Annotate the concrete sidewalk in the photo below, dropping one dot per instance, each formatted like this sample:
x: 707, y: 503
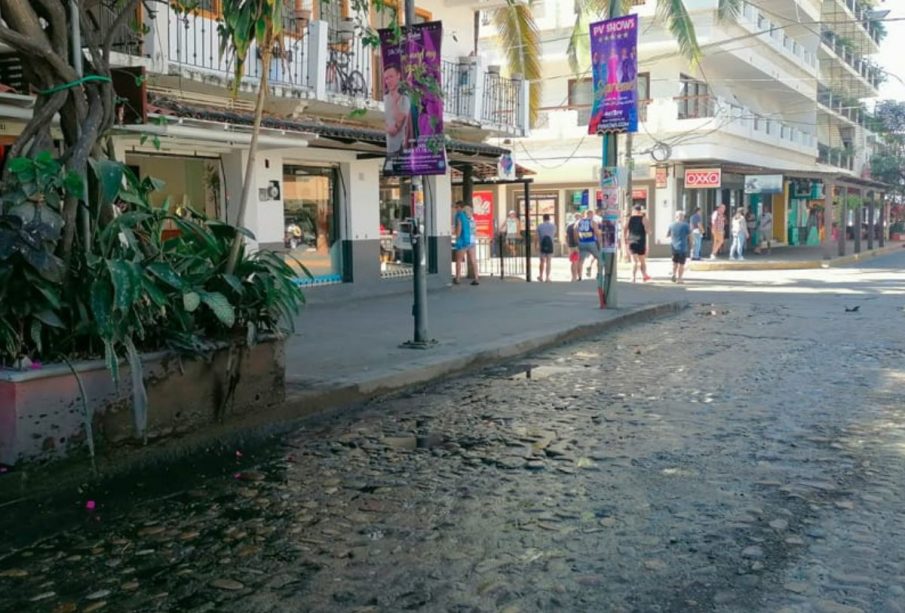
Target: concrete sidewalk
x: 797, y: 258
x: 346, y: 353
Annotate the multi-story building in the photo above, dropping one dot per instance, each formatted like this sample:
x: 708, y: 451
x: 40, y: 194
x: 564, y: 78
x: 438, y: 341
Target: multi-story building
x: 775, y: 94
x: 322, y: 145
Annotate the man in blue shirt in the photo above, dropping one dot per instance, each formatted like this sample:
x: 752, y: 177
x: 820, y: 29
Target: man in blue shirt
x: 680, y: 236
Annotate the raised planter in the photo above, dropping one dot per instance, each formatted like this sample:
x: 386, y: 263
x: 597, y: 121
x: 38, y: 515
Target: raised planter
x: 41, y: 411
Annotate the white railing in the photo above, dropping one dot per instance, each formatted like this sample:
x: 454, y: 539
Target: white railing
x: 752, y: 19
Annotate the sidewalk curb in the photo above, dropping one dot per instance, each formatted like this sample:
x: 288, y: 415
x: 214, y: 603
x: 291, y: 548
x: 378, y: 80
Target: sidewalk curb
x: 719, y: 265
x: 251, y: 430
x: 306, y: 403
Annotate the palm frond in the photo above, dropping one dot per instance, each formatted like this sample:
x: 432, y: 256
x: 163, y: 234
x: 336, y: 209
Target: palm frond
x: 579, y: 49
x: 518, y: 36
x: 677, y: 20
x: 729, y: 9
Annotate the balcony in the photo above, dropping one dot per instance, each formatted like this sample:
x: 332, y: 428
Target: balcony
x: 333, y: 63
x: 834, y: 156
x: 755, y: 21
x: 727, y: 116
x: 858, y: 16
x: 843, y: 107
x: 841, y: 50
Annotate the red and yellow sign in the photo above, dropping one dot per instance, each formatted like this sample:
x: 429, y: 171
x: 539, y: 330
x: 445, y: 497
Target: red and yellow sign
x: 482, y: 205
x: 703, y: 178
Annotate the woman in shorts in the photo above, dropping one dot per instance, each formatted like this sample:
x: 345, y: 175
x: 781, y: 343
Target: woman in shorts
x: 636, y: 231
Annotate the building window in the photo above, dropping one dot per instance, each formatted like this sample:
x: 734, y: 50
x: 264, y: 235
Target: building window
x: 395, y: 233
x: 643, y: 95
x: 310, y: 209
x: 694, y: 101
x: 542, y: 203
x: 581, y: 98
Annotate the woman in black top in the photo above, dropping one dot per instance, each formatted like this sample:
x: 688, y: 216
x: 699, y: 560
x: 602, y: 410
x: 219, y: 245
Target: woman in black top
x: 636, y: 231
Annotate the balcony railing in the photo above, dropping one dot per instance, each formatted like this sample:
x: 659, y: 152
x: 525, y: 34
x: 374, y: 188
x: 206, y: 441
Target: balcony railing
x: 842, y: 105
x: 459, y: 86
x: 861, y: 13
x: 740, y: 119
x: 194, y: 42
x: 869, y: 72
x: 840, y: 158
x: 696, y: 107
x: 502, y: 99
x: 756, y: 21
x: 127, y: 38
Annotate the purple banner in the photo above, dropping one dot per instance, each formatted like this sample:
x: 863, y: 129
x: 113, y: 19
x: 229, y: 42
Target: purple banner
x: 413, y: 105
x: 614, y: 60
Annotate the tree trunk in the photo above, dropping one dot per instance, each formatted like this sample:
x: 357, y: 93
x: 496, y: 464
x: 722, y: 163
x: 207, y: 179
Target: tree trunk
x: 266, y: 56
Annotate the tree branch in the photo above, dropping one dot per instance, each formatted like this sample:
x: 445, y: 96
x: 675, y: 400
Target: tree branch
x: 55, y: 14
x: 127, y: 10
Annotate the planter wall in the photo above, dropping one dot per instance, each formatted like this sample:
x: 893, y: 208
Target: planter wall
x: 41, y: 410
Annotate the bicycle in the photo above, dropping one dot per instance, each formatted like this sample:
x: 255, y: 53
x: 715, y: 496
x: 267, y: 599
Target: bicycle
x: 349, y: 82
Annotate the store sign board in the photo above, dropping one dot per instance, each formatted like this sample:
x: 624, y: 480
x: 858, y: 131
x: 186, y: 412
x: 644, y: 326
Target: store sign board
x: 703, y: 178
x: 482, y: 207
x: 662, y: 176
x: 639, y: 193
x: 763, y: 184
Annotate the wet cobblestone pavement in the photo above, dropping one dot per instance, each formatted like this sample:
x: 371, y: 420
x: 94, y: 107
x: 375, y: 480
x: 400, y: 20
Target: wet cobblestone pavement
x: 738, y: 457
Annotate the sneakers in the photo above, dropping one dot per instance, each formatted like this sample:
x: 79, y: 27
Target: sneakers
x: 475, y: 283
x: 646, y: 278
x: 673, y: 278
x: 712, y: 256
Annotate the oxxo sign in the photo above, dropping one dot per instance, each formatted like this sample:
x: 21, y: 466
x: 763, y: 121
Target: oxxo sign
x: 703, y: 178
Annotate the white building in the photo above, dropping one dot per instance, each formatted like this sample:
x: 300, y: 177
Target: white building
x: 757, y: 104
x: 322, y: 146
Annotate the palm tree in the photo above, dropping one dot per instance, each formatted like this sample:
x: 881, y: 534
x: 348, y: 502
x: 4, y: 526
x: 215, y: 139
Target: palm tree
x: 518, y: 34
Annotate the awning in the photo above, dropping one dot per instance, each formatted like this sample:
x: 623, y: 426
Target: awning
x: 347, y: 136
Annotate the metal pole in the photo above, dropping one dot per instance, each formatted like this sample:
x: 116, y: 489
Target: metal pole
x: 870, y: 221
x: 84, y: 216
x: 610, y: 263
x: 843, y: 219
x: 468, y: 199
x: 527, y: 231
x: 419, y: 263
x: 881, y: 213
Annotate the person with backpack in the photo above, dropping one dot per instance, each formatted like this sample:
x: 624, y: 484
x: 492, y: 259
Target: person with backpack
x: 572, y: 242
x: 546, y: 233
x: 588, y: 230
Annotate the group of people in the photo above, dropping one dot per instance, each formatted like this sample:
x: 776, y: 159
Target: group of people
x: 589, y: 232
x: 742, y: 229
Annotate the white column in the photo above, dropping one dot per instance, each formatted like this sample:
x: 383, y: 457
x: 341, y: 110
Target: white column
x: 317, y: 58
x: 233, y: 174
x: 666, y: 207
x: 264, y: 208
x: 439, y: 188
x: 477, y: 102
x: 157, y: 41
x: 363, y: 179
x: 522, y: 120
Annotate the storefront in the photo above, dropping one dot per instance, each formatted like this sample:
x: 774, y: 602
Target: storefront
x: 311, y: 214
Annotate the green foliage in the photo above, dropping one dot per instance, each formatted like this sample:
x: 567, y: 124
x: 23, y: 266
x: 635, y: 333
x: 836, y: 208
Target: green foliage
x: 134, y: 290
x: 248, y: 23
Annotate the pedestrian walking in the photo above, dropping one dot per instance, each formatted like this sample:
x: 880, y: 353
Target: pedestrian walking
x: 636, y: 231
x: 588, y: 240
x: 546, y: 233
x: 739, y: 235
x: 697, y: 233
x: 681, y: 242
x: 465, y: 244
x: 572, y: 242
x: 718, y: 230
x: 511, y: 228
x: 766, y: 230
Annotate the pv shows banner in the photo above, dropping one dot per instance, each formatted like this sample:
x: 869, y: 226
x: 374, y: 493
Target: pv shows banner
x: 413, y: 106
x: 614, y: 61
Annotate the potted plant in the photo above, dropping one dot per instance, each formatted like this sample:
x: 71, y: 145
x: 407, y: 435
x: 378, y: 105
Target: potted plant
x: 345, y: 29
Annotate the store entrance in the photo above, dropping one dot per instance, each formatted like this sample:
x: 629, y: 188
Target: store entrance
x: 311, y: 215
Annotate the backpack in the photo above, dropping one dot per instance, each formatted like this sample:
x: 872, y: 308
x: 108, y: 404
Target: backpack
x: 546, y: 244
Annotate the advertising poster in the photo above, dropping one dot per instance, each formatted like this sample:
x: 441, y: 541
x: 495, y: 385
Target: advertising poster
x: 413, y: 114
x: 614, y: 62
x: 609, y: 207
x: 763, y: 184
x: 482, y: 206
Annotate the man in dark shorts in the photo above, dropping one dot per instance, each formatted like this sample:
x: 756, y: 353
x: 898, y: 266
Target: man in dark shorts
x: 680, y: 237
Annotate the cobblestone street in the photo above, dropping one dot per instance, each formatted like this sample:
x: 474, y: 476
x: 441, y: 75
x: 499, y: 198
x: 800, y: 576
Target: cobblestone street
x: 747, y: 454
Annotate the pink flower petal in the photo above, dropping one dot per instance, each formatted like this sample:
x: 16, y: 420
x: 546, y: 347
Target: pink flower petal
x: 90, y: 505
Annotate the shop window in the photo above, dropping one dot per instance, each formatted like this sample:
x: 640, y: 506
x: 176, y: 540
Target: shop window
x: 581, y: 97
x: 310, y: 207
x: 541, y: 204
x: 395, y: 241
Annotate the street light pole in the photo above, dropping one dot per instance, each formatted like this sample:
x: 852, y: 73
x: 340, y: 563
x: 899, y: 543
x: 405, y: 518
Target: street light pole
x: 419, y: 260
